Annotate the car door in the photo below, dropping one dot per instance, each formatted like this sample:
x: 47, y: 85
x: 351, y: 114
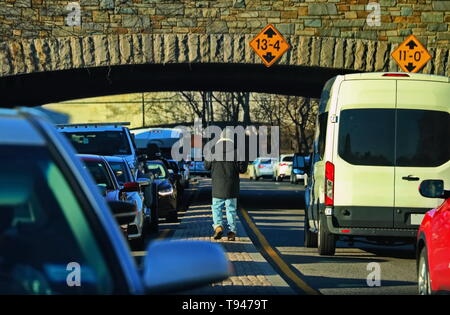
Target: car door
x: 422, y: 146
x: 363, y: 154
x: 440, y: 256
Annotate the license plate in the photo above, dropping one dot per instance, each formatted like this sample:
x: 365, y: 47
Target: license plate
x: 416, y: 218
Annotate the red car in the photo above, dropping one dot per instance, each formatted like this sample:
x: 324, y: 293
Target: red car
x: 433, y: 242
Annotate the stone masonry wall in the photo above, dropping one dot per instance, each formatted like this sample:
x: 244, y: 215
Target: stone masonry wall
x: 427, y: 19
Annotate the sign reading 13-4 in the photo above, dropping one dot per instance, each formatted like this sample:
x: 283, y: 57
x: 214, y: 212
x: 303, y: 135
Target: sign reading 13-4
x: 269, y: 45
x: 411, y: 55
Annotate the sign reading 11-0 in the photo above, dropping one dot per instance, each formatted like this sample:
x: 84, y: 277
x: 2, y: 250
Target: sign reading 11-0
x: 411, y: 55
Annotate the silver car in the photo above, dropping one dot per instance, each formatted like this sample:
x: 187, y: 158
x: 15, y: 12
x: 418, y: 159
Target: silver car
x: 58, y: 235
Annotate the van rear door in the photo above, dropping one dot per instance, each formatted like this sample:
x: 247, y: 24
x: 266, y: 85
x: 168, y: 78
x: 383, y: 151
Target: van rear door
x: 422, y: 146
x: 363, y: 154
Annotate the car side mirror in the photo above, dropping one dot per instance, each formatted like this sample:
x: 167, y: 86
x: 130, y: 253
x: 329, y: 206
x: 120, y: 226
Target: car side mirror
x: 172, y: 266
x: 124, y: 212
x: 431, y: 188
x: 131, y: 187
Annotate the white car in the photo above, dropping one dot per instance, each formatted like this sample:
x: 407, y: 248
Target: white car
x: 107, y: 139
x: 282, y: 167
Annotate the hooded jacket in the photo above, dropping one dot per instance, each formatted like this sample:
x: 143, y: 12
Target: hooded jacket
x: 225, y: 174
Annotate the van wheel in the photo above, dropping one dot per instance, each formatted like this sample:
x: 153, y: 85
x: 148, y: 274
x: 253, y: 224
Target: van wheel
x: 423, y: 276
x: 326, y: 242
x: 310, y: 238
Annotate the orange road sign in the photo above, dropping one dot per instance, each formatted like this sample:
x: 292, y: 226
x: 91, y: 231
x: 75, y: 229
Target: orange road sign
x: 269, y: 45
x: 411, y: 55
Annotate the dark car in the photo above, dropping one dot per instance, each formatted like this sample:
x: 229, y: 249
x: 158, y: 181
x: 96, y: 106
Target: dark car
x: 166, y: 188
x: 103, y: 175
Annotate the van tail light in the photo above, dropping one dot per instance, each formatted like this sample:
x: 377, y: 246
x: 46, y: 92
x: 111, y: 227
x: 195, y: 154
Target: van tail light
x: 395, y: 75
x: 329, y: 184
x: 261, y: 166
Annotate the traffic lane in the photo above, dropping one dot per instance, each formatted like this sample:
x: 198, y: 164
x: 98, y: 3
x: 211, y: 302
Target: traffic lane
x: 274, y: 207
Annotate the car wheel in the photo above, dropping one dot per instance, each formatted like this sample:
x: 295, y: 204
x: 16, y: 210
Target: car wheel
x: 138, y: 243
x: 153, y: 223
x: 423, y: 276
x: 256, y: 178
x: 310, y: 238
x: 172, y: 217
x: 326, y: 242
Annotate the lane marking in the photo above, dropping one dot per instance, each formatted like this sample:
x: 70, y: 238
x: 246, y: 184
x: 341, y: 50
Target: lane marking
x: 287, y: 271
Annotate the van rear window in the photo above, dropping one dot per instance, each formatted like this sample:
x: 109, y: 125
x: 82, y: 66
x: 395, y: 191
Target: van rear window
x: 423, y: 138
x: 366, y: 136
x: 370, y: 137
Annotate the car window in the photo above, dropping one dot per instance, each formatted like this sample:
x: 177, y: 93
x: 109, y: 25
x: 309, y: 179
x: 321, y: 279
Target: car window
x: 43, y: 231
x: 266, y: 161
x: 288, y: 158
x: 367, y: 136
x: 422, y: 138
x: 322, y: 134
x: 99, y: 173
x: 121, y: 172
x: 158, y: 170
x: 100, y: 143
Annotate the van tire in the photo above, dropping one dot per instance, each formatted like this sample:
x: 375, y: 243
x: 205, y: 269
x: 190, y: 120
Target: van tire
x: 309, y: 238
x: 326, y: 241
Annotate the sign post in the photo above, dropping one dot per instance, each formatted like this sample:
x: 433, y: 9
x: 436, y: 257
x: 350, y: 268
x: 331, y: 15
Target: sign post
x: 269, y: 45
x: 411, y: 55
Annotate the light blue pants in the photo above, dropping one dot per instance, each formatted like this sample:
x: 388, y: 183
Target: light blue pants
x: 230, y: 205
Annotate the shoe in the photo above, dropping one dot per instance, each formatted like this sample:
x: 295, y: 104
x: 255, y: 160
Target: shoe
x: 218, y: 233
x: 231, y: 236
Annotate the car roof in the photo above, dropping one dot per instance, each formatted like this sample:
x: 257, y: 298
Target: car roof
x: 114, y: 159
x: 396, y: 76
x: 91, y: 157
x: 92, y: 127
x: 17, y: 129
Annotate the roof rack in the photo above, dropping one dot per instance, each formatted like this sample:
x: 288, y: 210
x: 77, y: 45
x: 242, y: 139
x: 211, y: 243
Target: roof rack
x: 115, y: 124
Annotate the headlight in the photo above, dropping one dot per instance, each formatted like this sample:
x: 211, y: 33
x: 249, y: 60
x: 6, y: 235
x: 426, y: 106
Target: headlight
x: 165, y: 191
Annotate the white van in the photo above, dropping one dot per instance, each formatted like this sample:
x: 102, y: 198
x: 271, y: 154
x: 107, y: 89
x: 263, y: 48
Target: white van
x: 377, y: 136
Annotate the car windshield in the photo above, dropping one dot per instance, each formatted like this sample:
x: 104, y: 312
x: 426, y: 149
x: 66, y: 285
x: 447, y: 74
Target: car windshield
x: 99, y: 173
x: 266, y: 162
x: 157, y: 169
x: 288, y: 159
x: 46, y: 243
x: 121, y: 172
x: 100, y: 143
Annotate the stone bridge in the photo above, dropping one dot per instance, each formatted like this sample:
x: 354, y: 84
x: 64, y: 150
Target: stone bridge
x: 326, y: 37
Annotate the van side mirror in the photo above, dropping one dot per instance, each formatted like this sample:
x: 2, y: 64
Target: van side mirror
x: 431, y: 188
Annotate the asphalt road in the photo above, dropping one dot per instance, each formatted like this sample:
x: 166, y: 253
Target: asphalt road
x: 277, y: 209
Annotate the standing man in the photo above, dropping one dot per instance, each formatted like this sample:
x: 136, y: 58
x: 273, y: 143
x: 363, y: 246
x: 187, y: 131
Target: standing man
x: 225, y: 183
